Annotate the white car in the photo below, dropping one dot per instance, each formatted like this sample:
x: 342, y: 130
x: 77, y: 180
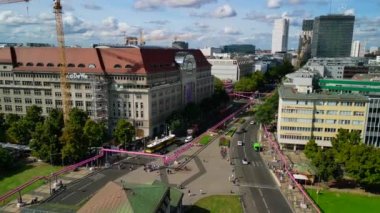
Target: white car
x: 252, y: 122
x: 240, y: 143
x: 188, y: 139
x: 244, y: 161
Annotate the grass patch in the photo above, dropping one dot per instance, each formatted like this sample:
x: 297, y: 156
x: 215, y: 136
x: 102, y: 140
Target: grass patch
x: 218, y: 204
x: 330, y: 201
x: 241, y: 120
x: 11, y: 179
x: 231, y: 132
x: 205, y: 139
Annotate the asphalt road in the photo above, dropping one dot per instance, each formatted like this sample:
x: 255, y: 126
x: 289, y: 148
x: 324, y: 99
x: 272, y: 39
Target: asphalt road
x: 259, y: 189
x: 75, y: 193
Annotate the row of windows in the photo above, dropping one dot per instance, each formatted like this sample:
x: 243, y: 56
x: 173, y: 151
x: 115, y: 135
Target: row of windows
x: 307, y: 129
x: 326, y: 103
x: 327, y: 121
x: 305, y: 138
x: 40, y: 64
x: 137, y: 115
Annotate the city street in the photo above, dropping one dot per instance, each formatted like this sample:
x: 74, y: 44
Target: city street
x: 260, y: 191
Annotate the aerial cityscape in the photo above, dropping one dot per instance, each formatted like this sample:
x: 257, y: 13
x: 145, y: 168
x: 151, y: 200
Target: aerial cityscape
x: 189, y: 106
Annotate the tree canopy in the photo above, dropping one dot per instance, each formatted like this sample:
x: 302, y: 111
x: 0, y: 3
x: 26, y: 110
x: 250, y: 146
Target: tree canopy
x: 124, y: 132
x: 348, y: 156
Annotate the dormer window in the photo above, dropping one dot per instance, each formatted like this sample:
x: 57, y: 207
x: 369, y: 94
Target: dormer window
x: 50, y: 65
x: 40, y: 64
x: 129, y: 66
x: 19, y: 64
x: 71, y: 65
x: 81, y: 66
x: 91, y: 66
x: 29, y: 64
x: 117, y: 66
x: 60, y: 65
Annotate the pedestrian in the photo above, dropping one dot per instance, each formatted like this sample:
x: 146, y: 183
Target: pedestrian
x: 188, y: 192
x: 201, y: 192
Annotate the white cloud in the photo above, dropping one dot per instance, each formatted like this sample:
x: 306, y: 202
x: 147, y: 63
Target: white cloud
x: 274, y: 3
x: 154, y: 4
x: 295, y: 1
x: 157, y: 35
x: 8, y: 17
x: 224, y: 11
x: 349, y: 12
x: 231, y: 31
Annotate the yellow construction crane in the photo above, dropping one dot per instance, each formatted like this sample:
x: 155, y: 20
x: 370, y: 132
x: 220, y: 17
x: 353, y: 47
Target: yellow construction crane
x: 65, y: 87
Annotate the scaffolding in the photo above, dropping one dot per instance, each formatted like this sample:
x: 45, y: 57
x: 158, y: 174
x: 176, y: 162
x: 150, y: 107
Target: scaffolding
x: 100, y: 98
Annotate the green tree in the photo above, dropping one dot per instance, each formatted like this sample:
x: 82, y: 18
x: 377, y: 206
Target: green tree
x: 96, y: 133
x: 3, y: 128
x: 45, y: 142
x: 74, y: 143
x: 245, y: 84
x: 10, y: 119
x: 327, y: 168
x: 6, y: 159
x: 19, y: 132
x: 311, y: 149
x: 34, y: 116
x: 265, y: 113
x: 124, y: 132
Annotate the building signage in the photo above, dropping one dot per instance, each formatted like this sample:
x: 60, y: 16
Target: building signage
x: 77, y: 76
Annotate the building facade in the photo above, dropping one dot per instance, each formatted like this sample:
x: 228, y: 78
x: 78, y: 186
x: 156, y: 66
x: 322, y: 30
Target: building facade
x: 302, y: 117
x: 369, y: 86
x: 357, y: 49
x: 231, y: 69
x: 180, y: 45
x: 304, y: 45
x: 142, y: 85
x: 280, y: 35
x: 332, y: 36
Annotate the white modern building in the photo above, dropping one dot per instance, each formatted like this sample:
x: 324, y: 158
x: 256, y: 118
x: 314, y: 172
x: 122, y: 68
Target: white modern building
x: 280, y: 35
x: 210, y: 51
x: 231, y: 69
x: 357, y: 49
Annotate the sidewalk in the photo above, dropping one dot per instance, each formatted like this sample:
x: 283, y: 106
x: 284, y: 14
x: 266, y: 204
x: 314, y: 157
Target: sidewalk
x: 204, y: 175
x: 292, y: 194
x: 43, y: 192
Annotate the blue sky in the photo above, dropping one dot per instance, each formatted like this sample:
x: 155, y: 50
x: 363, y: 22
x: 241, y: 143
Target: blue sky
x: 199, y: 22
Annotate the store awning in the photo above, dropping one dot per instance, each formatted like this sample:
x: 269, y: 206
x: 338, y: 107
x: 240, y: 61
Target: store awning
x: 300, y: 177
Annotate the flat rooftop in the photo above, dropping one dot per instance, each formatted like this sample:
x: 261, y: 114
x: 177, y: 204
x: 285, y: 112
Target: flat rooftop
x: 290, y: 93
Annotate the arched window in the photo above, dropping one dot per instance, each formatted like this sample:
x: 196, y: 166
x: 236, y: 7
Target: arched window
x: 129, y: 66
x: 40, y: 64
x: 81, y: 66
x: 20, y: 64
x: 71, y: 65
x: 118, y: 66
x: 91, y: 66
x: 60, y: 65
x: 29, y: 64
x: 50, y: 65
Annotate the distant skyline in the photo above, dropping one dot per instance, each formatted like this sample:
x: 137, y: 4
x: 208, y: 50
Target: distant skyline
x: 199, y: 22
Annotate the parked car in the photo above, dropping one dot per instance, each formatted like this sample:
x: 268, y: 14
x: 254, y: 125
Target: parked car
x: 252, y: 122
x: 240, y: 143
x: 244, y: 161
x: 188, y: 139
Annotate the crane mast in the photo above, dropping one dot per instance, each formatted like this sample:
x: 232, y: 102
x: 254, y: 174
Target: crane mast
x: 65, y: 86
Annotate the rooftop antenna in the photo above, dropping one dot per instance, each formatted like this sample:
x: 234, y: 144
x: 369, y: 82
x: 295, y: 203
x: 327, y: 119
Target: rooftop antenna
x: 331, y: 1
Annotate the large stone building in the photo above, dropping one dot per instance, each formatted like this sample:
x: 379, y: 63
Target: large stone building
x: 332, y: 36
x: 143, y: 85
x: 232, y: 69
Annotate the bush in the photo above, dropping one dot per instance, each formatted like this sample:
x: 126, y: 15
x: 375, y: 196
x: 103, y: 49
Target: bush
x: 224, y: 142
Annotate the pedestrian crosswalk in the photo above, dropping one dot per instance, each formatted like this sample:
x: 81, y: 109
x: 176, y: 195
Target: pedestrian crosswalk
x: 256, y: 164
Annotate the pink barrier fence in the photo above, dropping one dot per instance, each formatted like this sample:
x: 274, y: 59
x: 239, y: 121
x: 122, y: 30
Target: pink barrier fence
x: 286, y: 167
x: 133, y: 153
x: 55, y: 174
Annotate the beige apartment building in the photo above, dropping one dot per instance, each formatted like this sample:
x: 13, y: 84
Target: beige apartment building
x: 142, y: 85
x: 302, y: 116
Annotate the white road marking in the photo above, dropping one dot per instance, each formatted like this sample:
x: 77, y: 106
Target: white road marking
x: 265, y: 203
x: 71, y: 193
x: 85, y: 185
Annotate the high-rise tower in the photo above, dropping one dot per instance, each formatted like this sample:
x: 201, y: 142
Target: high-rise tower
x: 332, y: 36
x: 280, y: 35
